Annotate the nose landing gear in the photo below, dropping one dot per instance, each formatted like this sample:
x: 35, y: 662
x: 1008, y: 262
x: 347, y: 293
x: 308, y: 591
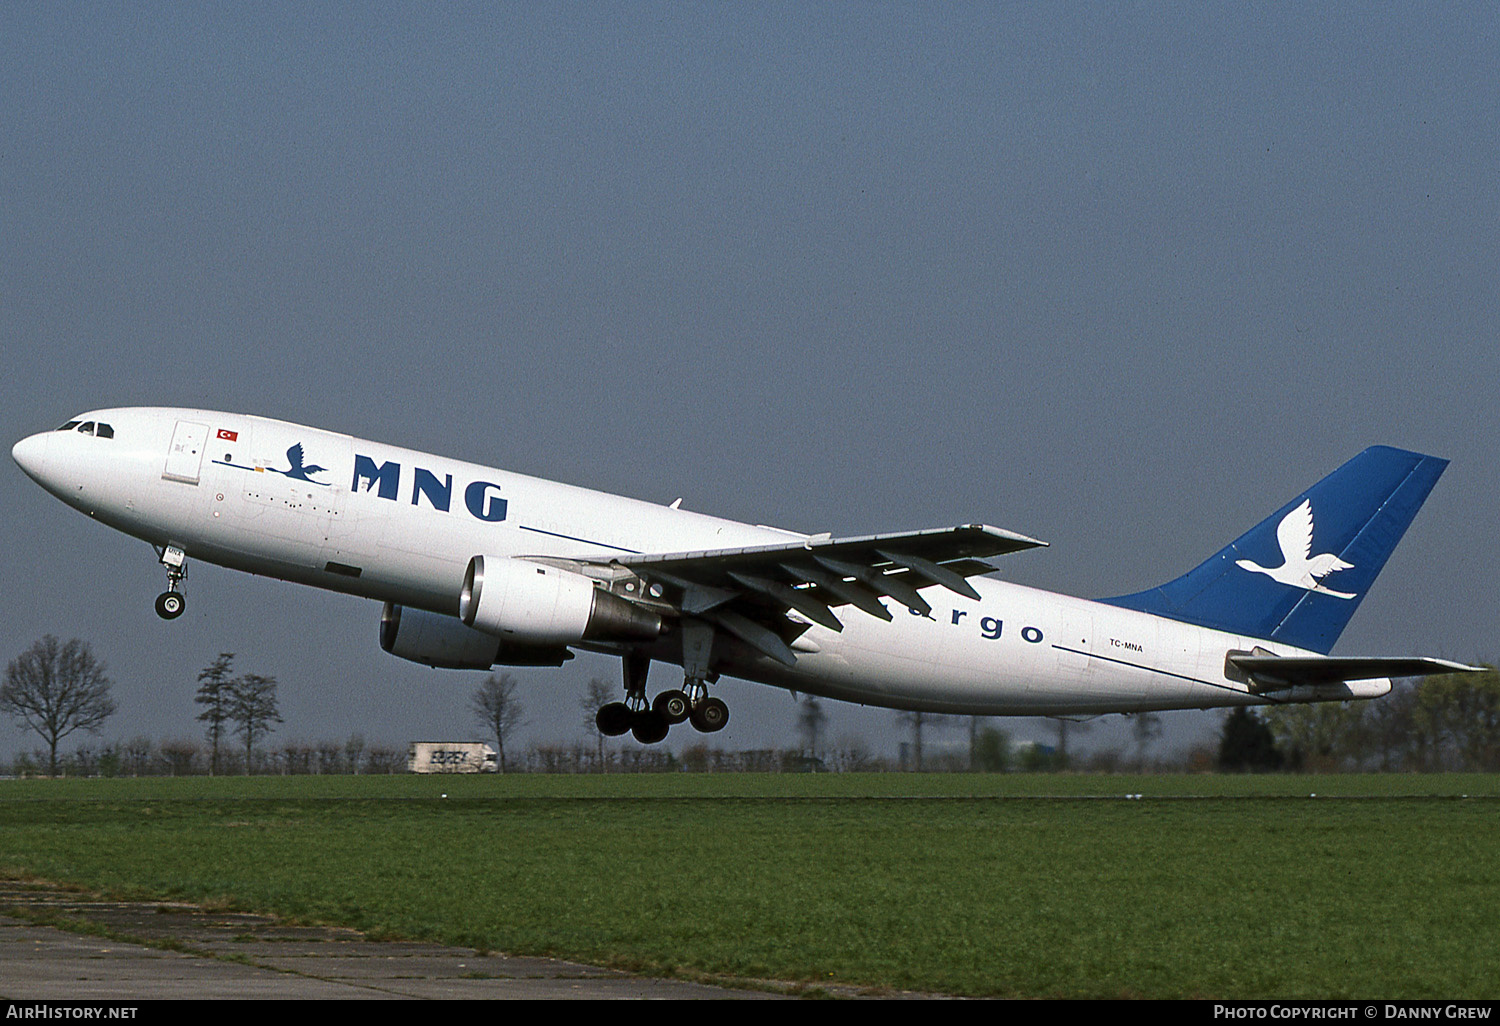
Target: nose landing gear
x: 171, y: 603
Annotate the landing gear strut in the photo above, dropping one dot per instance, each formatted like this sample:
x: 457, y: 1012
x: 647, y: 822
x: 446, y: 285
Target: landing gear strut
x: 635, y: 713
x: 171, y: 603
x: 707, y: 714
x: 649, y: 722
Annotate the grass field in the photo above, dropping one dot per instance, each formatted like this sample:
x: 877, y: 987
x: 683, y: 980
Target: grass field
x: 1205, y: 886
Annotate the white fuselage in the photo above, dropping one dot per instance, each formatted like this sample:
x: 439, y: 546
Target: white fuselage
x: 398, y: 525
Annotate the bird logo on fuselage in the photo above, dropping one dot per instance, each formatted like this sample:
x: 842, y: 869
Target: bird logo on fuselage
x: 297, y: 467
x: 1299, y: 567
x: 298, y: 471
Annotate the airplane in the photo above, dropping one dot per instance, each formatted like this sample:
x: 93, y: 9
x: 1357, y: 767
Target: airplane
x: 479, y: 567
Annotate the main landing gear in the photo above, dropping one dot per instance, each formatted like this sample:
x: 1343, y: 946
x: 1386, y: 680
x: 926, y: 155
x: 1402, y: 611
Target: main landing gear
x: 649, y: 722
x: 171, y: 603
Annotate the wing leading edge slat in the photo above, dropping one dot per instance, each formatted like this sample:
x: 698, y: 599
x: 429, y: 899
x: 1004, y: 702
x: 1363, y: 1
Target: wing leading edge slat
x: 932, y: 546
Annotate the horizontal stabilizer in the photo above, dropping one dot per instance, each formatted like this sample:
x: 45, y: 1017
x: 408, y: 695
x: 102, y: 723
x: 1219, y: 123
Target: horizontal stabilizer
x: 1272, y: 671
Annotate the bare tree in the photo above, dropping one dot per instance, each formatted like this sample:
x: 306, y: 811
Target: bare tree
x: 214, y: 685
x: 598, y: 695
x: 383, y: 759
x: 85, y: 760
x: 811, y: 719
x: 179, y: 754
x: 917, y: 721
x: 252, y: 708
x: 296, y: 758
x: 353, y: 749
x: 989, y: 751
x: 55, y: 689
x: 1145, y: 728
x: 136, y: 755
x: 1063, y: 726
x: 495, y: 706
x: 976, y: 726
x: 852, y: 754
x: 330, y: 757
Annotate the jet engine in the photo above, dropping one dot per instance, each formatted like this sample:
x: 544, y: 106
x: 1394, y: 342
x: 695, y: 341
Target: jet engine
x: 442, y: 641
x: 527, y: 603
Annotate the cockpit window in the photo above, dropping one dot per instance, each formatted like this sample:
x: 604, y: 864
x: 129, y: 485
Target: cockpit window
x: 89, y: 427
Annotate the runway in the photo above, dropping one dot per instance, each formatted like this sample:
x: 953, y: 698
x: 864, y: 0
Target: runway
x: 183, y: 952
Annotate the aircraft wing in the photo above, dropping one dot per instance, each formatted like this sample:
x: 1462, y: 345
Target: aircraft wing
x: 1288, y: 671
x: 749, y: 591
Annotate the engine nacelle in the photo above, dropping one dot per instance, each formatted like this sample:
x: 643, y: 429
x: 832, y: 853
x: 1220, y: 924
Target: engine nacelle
x: 530, y: 604
x: 442, y: 641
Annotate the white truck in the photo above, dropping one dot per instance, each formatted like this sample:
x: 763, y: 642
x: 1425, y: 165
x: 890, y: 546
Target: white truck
x: 450, y: 757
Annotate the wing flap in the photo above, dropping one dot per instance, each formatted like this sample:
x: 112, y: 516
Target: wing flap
x: 836, y: 591
x: 802, y: 601
x: 813, y: 575
x: 752, y: 593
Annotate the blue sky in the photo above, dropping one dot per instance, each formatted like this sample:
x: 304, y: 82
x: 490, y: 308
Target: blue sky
x: 1121, y: 277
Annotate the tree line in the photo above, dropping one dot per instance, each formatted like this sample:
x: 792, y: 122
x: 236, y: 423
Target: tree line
x: 183, y: 757
x: 54, y: 689
x: 244, y: 706
x: 1447, y: 722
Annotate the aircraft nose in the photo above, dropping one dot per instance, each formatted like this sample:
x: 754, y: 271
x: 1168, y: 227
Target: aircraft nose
x: 30, y: 454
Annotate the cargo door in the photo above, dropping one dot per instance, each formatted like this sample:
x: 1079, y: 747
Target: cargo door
x: 185, y: 454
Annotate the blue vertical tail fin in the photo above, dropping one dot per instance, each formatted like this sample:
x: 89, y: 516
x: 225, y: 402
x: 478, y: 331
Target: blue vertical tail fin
x: 1299, y: 575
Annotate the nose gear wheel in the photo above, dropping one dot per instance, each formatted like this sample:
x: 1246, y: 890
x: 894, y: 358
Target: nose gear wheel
x: 171, y: 603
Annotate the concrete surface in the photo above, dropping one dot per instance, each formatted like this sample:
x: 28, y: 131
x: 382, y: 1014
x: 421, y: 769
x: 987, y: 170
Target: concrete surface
x: 184, y: 951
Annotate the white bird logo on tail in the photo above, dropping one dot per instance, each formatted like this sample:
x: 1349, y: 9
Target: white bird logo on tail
x: 1299, y: 567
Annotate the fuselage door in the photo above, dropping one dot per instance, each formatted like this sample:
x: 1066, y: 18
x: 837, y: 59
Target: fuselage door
x: 185, y: 455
